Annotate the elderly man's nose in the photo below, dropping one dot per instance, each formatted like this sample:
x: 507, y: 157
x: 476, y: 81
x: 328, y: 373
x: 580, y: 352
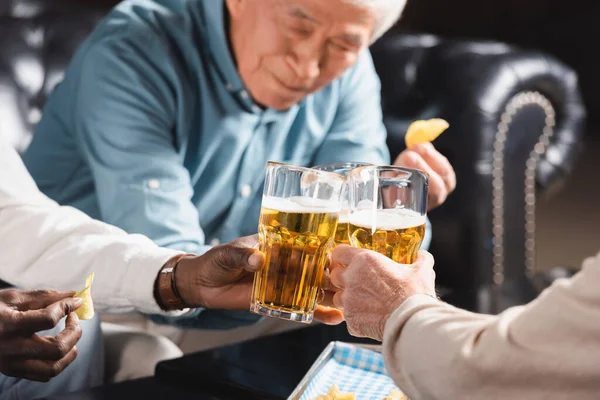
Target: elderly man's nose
x: 305, y: 64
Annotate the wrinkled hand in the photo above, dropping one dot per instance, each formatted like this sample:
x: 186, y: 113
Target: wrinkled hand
x: 23, y: 354
x: 371, y: 286
x: 442, y: 179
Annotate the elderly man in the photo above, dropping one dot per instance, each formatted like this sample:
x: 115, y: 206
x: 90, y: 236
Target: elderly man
x: 170, y: 110
x: 547, y: 349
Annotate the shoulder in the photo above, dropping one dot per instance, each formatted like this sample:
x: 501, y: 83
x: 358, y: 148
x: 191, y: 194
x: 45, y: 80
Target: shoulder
x: 157, y: 29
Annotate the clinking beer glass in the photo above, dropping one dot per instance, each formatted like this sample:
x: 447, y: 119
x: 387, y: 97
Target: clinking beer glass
x: 298, y: 220
x: 388, y: 207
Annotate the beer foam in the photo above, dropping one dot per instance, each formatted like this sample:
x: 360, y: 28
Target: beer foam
x: 300, y: 204
x: 387, y: 219
x: 343, y: 216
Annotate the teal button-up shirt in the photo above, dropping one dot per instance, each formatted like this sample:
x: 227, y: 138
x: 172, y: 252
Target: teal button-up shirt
x: 152, y: 129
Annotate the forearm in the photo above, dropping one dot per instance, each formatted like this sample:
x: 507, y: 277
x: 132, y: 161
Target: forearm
x: 47, y: 246
x: 548, y: 348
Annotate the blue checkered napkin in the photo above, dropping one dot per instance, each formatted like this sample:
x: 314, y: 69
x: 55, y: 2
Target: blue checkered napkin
x: 352, y: 369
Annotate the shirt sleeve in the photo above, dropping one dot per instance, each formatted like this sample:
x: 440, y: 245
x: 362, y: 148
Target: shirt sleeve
x: 357, y: 133
x: 124, y: 122
x: 548, y: 348
x: 43, y: 245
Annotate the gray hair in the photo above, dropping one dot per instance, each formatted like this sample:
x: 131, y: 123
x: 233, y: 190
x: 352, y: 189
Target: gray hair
x: 387, y: 13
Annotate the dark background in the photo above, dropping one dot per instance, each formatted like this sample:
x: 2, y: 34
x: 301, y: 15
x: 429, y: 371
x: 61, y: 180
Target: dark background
x: 567, y: 29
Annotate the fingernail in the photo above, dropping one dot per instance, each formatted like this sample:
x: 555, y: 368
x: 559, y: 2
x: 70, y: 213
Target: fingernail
x: 78, y: 301
x: 75, y: 317
x: 256, y: 260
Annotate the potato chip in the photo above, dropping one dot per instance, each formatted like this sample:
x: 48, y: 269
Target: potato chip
x: 335, y: 394
x: 424, y: 131
x: 395, y: 394
x: 86, y: 311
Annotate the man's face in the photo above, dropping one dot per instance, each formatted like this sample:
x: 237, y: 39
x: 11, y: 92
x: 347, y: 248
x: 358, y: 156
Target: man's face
x: 287, y: 49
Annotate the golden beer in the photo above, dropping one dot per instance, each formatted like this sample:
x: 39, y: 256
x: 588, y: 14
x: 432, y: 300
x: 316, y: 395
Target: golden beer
x: 341, y: 233
x: 342, y: 168
x: 295, y: 239
x: 397, y: 234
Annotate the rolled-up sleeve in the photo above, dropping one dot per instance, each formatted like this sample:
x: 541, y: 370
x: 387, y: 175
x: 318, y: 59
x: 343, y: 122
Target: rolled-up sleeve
x: 124, y: 123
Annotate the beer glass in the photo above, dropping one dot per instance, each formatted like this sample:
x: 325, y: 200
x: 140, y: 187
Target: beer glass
x: 388, y: 207
x: 341, y: 233
x: 298, y: 219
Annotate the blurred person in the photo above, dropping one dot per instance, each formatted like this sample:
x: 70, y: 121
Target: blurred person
x: 44, y: 245
x: 170, y: 110
x: 547, y: 349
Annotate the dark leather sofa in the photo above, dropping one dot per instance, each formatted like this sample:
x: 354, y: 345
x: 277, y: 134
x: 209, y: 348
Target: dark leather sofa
x: 516, y: 121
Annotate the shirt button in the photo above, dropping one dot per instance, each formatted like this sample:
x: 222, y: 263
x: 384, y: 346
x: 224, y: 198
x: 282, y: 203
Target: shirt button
x: 153, y: 184
x: 34, y: 116
x: 229, y: 87
x: 215, y: 242
x: 244, y: 94
x: 245, y: 190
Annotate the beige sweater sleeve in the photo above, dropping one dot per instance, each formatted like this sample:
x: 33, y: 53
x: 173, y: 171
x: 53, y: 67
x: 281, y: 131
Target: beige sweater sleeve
x: 547, y: 349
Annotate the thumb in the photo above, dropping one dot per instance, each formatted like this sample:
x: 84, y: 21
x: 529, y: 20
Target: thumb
x: 232, y: 258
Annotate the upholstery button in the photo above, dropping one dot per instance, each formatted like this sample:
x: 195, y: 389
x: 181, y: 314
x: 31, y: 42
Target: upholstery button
x: 153, y: 184
x: 245, y: 190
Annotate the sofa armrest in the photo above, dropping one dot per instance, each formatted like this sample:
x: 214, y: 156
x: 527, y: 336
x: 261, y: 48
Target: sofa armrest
x: 516, y: 120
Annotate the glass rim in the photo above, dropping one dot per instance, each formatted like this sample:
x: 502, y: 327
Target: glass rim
x: 306, y: 169
x: 341, y: 165
x: 410, y: 171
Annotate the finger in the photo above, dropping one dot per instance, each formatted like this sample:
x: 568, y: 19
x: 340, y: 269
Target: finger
x: 326, y: 298
x: 45, y: 347
x: 328, y: 316
x: 337, y: 278
x: 437, y: 187
x: 246, y: 242
x: 29, y: 322
x: 343, y: 254
x: 424, y: 260
x: 230, y: 260
x: 68, y: 337
x: 32, y: 299
x: 337, y: 301
x: 438, y: 162
x: 232, y: 297
x: 39, y: 370
x: 326, y: 281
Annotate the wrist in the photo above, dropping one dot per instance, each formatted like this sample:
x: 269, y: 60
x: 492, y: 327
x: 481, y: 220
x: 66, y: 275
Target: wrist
x: 185, y: 279
x: 166, y: 291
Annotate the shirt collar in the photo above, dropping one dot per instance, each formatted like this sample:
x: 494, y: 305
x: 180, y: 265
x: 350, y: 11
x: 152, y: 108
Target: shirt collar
x: 216, y: 40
